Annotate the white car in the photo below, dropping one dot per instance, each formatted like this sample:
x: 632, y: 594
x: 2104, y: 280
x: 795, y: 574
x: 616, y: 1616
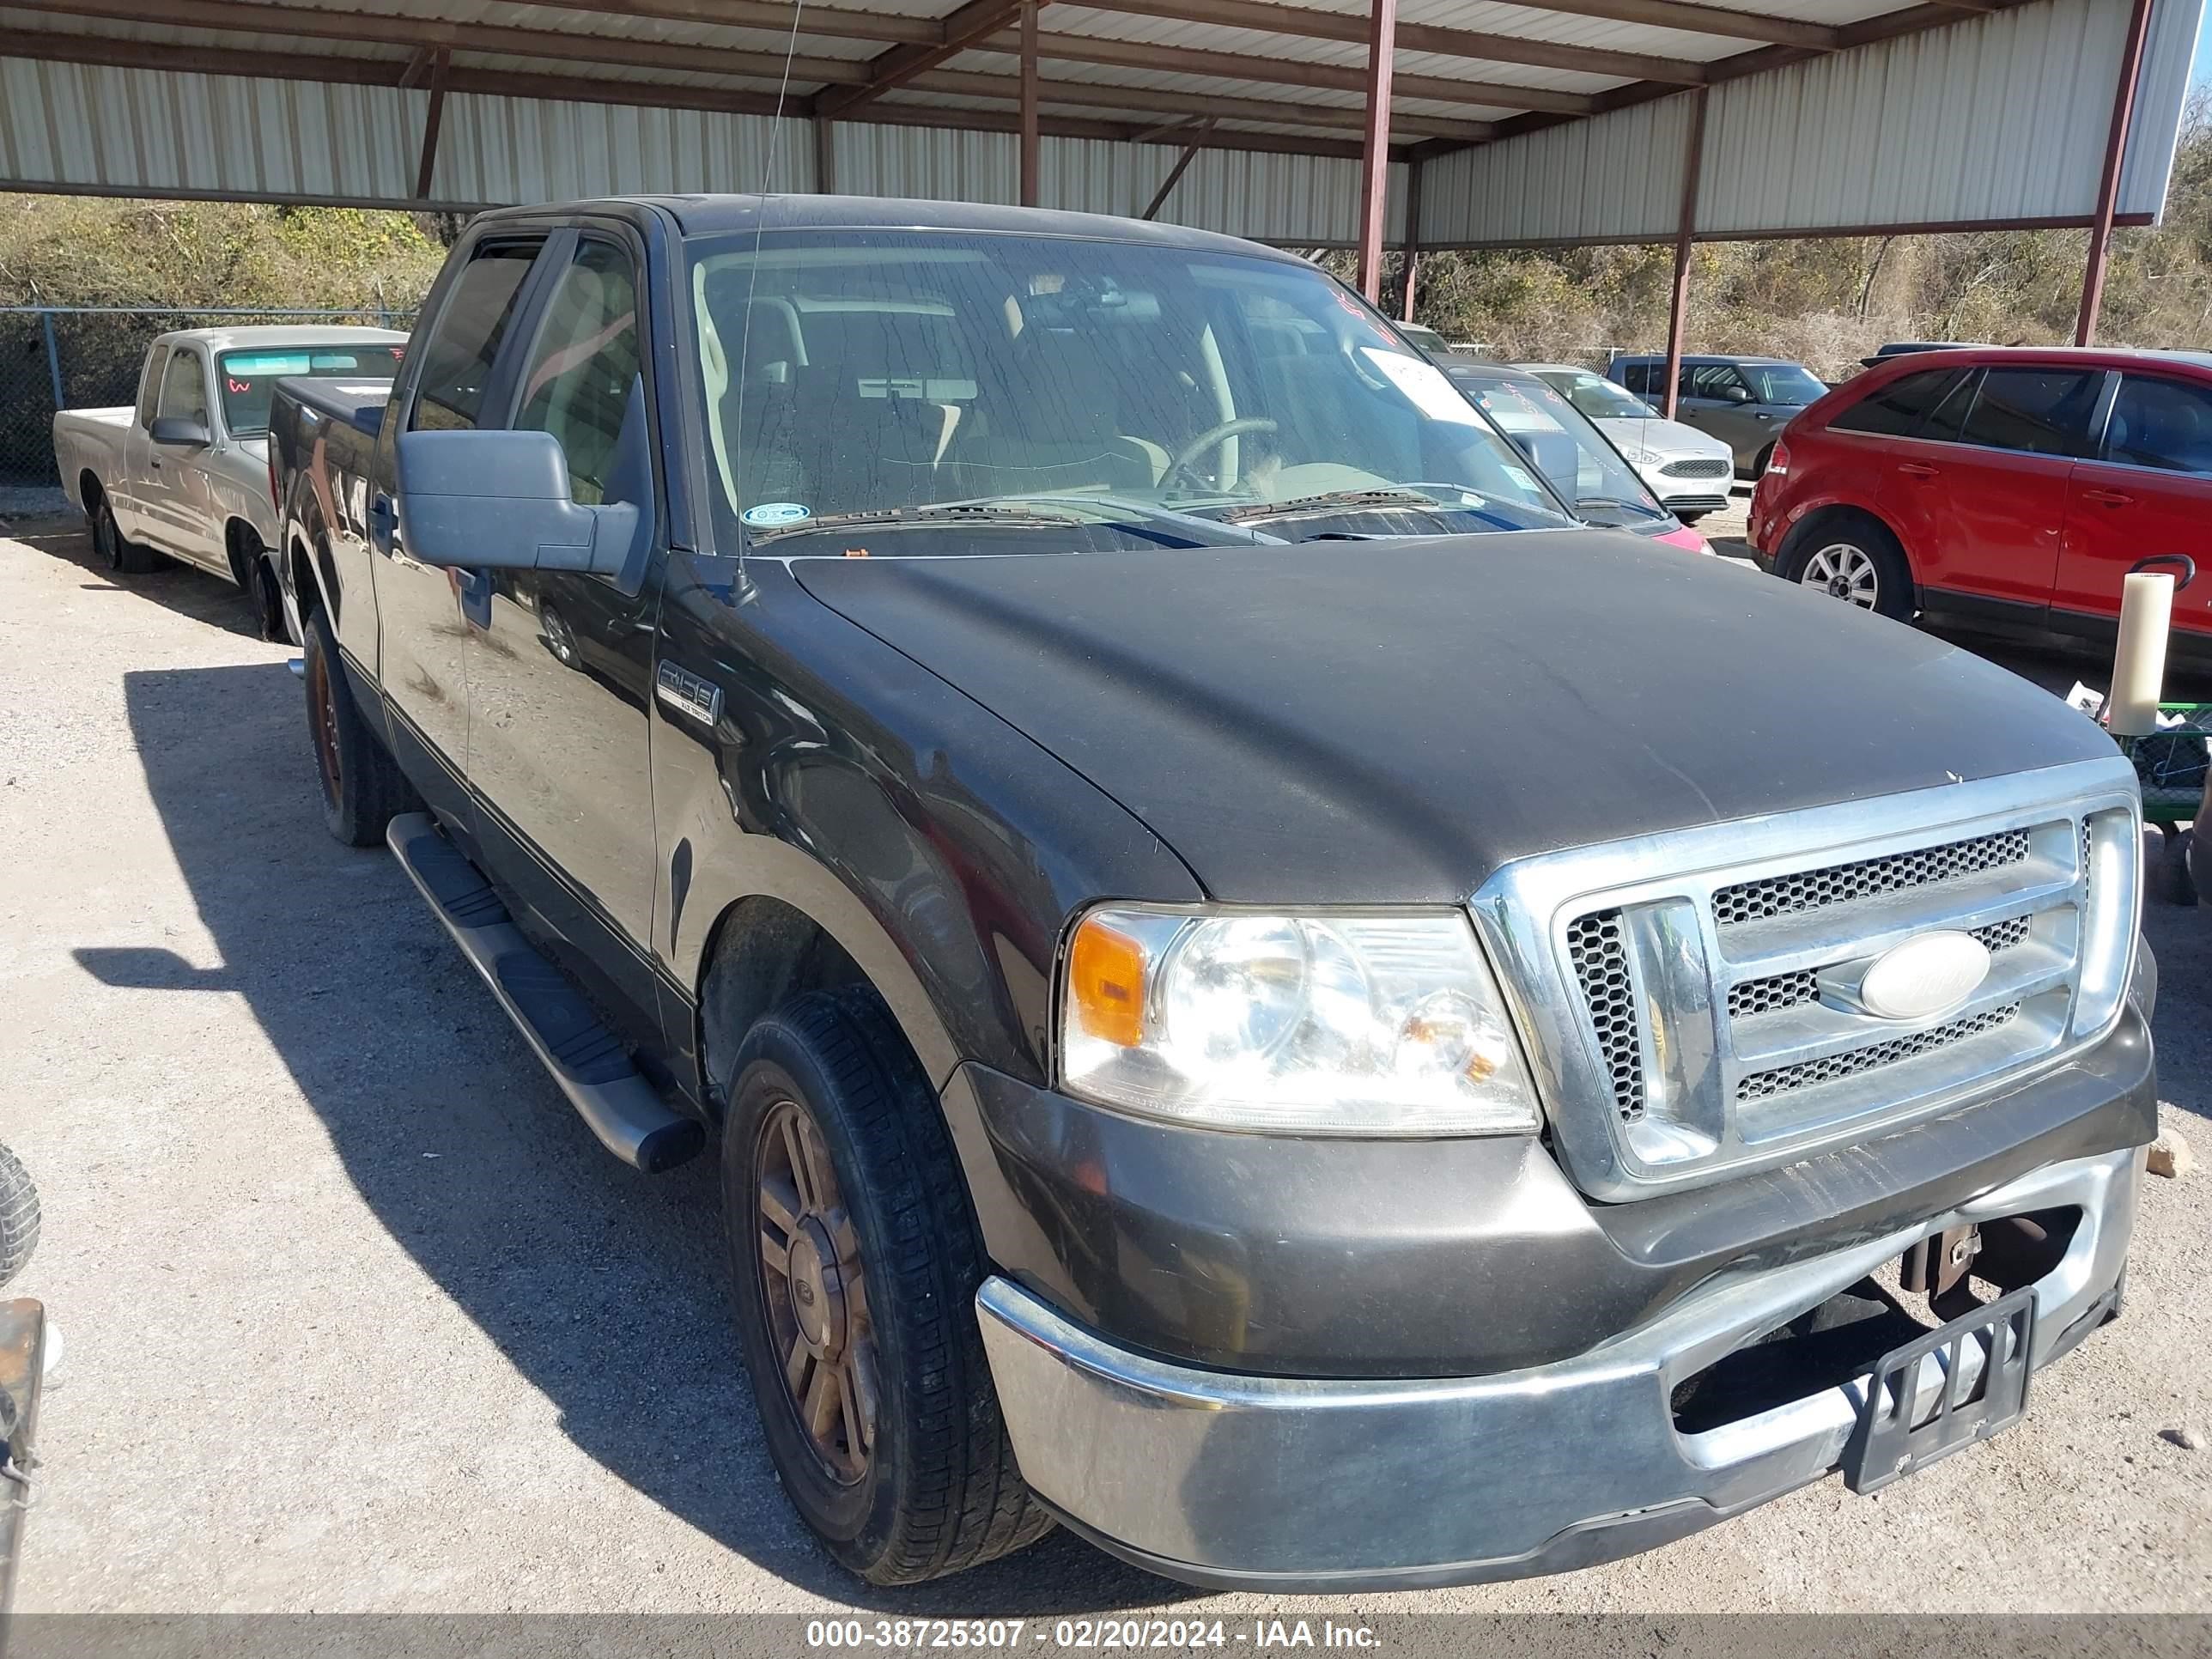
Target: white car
x: 184, y: 471
x: 1689, y: 470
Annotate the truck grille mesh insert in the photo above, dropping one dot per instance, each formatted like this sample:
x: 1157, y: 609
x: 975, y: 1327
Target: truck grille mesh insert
x: 1601, y: 964
x: 1764, y: 996
x: 1776, y: 895
x: 1764, y: 1085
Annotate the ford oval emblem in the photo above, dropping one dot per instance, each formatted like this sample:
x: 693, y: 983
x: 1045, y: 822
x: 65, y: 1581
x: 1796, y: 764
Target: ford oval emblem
x: 1930, y: 973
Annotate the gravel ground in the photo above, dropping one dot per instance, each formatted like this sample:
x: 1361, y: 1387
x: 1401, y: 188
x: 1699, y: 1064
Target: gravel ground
x: 359, y: 1318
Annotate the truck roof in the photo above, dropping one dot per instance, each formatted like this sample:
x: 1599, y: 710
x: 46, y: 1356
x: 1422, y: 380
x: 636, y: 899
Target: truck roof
x: 716, y: 214
x: 282, y: 334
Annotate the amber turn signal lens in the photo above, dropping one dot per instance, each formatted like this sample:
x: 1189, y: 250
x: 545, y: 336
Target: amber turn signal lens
x: 1106, y: 982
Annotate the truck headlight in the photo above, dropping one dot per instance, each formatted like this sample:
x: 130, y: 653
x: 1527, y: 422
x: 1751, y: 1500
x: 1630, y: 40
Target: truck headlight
x: 1375, y: 1025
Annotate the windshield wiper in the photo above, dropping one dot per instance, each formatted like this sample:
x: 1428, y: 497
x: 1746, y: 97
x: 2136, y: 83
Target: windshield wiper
x: 1161, y: 525
x: 903, y: 518
x: 1614, y: 501
x: 1334, y: 500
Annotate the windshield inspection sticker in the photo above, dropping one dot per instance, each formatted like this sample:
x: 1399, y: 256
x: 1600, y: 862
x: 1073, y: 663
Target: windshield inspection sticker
x: 1521, y: 478
x: 770, y: 515
x: 1424, y: 384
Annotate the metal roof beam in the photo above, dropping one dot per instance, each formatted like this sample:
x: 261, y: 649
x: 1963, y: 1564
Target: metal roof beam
x: 887, y: 69
x: 374, y: 29
x: 50, y: 46
x: 1725, y: 22
x: 1289, y: 72
x: 837, y: 22
x: 53, y: 47
x: 1885, y: 26
x: 844, y: 23
x: 1093, y: 96
x: 1303, y: 21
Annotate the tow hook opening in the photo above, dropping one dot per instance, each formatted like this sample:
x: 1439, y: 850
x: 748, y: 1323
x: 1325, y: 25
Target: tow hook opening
x: 1943, y: 1277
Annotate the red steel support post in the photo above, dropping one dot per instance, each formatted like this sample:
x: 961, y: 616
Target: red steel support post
x: 1375, y: 158
x: 2108, y: 186
x: 1031, y: 145
x: 1678, y: 305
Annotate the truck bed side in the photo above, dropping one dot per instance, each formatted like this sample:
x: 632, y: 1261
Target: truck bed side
x: 90, y: 440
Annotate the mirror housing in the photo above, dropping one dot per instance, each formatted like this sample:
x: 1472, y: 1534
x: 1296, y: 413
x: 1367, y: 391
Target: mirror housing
x: 1736, y: 394
x: 175, y: 432
x: 499, y: 501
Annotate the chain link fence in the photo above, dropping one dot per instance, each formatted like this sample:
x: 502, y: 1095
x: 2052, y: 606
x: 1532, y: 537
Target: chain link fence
x: 57, y: 358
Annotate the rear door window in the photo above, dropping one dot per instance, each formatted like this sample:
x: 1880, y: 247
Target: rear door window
x: 1897, y: 409
x: 2035, y: 411
x: 2161, y: 423
x: 459, y: 356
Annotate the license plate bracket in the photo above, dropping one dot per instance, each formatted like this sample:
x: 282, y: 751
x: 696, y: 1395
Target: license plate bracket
x: 1993, y: 1343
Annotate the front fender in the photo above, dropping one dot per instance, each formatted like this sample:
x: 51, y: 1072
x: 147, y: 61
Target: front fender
x: 941, y: 849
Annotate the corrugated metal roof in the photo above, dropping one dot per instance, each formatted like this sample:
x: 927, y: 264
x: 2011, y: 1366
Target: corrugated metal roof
x: 1997, y: 117
x: 145, y: 130
x: 2000, y: 119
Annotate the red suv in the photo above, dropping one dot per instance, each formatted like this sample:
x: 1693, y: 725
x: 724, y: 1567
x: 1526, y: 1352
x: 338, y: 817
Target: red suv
x: 2005, y: 489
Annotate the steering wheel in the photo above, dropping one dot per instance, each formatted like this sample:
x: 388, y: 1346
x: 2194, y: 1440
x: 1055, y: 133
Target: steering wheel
x: 1210, y: 440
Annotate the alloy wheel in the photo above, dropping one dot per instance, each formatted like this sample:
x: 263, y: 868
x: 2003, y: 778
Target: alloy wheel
x: 1844, y: 572
x: 323, y: 710
x: 815, y: 1292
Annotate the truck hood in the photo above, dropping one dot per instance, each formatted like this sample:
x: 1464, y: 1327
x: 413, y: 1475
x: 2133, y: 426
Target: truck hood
x: 1390, y: 720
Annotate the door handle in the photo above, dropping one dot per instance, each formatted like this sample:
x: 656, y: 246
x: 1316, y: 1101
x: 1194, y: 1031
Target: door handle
x: 2107, y: 497
x: 1919, y: 470
x: 383, y: 520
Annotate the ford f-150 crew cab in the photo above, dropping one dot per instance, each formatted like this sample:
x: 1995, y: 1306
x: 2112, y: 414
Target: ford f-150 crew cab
x: 184, y: 471
x: 1316, y: 1043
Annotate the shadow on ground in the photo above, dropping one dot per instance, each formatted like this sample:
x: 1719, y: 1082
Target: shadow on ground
x: 604, y: 1287
x: 183, y: 588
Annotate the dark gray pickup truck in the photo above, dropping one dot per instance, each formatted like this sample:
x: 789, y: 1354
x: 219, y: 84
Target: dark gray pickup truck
x: 1262, y: 991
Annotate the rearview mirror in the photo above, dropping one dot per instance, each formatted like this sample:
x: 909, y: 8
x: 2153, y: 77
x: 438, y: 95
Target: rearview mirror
x: 1736, y: 394
x: 179, y: 432
x: 499, y: 501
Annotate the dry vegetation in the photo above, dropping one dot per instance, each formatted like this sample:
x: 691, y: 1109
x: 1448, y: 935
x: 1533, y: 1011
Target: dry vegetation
x: 83, y: 250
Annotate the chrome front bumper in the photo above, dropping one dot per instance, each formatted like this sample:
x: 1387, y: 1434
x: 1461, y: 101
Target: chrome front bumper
x: 1234, y: 1480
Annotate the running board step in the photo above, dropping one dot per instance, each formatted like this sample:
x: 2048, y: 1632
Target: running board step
x: 624, y: 1111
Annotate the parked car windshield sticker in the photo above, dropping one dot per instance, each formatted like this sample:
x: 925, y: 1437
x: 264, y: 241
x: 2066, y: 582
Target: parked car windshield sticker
x: 1424, y: 384
x: 768, y: 515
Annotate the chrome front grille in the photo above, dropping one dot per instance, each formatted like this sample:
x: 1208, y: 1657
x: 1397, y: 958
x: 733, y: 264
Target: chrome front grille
x: 1753, y: 997
x: 1704, y: 1019
x: 1711, y: 467
x: 1602, y: 968
x: 1811, y: 888
x: 1758, y: 1085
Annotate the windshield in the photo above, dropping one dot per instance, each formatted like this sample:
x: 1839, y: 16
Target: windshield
x: 249, y: 378
x: 893, y: 374
x: 1578, y: 460
x: 1597, y: 396
x: 1783, y: 383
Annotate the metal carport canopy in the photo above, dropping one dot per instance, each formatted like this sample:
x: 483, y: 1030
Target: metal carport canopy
x: 1551, y: 121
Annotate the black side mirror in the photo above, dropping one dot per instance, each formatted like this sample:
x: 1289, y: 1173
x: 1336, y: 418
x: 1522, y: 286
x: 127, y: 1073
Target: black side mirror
x: 177, y: 432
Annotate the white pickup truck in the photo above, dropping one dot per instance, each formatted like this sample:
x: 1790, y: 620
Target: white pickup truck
x: 184, y: 471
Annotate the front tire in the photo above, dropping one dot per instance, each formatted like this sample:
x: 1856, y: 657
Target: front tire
x: 19, y: 1216
x: 1857, y: 561
x: 362, y: 788
x: 855, y: 1259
